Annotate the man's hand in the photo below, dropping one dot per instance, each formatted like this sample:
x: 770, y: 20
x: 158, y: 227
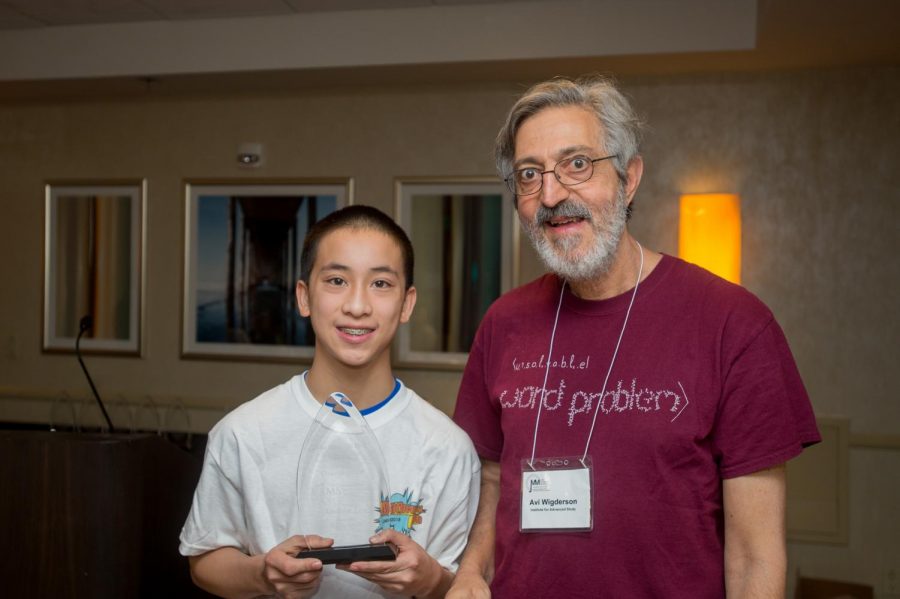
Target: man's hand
x: 293, y: 578
x: 469, y: 585
x: 414, y: 572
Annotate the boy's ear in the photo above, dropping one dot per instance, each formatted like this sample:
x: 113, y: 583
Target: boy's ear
x: 303, y: 299
x: 409, y: 302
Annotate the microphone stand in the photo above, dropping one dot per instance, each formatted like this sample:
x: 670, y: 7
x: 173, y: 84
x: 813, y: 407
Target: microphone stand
x: 84, y: 325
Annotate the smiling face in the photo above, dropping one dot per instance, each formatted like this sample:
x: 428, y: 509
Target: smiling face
x: 576, y: 229
x: 356, y: 298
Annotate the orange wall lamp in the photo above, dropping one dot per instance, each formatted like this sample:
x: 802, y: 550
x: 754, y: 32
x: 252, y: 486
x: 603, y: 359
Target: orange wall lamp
x: 709, y: 233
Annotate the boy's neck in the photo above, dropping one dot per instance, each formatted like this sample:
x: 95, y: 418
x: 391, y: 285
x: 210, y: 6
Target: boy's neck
x: 365, y: 387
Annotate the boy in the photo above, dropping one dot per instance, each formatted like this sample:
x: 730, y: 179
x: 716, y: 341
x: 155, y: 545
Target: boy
x: 356, y: 288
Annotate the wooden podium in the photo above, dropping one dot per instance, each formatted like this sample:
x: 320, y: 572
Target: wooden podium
x: 94, y: 515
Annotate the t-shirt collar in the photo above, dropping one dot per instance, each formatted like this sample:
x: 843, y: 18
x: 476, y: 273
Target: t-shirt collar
x: 618, y: 303
x: 375, y: 415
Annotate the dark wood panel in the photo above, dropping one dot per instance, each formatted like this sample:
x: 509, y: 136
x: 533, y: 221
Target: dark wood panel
x: 91, y: 515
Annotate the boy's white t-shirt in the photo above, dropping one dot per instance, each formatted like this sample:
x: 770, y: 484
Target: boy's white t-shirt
x: 247, y: 492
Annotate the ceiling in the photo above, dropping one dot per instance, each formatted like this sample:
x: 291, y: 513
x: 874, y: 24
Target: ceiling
x: 360, y: 42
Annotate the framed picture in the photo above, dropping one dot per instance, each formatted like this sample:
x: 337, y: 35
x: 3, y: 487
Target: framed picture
x: 243, y: 241
x: 466, y: 241
x: 94, y: 235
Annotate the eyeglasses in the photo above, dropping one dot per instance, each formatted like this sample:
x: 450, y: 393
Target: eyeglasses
x: 568, y: 171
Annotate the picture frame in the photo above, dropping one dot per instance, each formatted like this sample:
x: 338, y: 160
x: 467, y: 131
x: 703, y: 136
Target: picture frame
x: 94, y: 265
x: 466, y: 238
x: 242, y: 246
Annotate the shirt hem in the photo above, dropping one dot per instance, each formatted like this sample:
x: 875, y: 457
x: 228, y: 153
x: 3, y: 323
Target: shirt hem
x: 768, y: 461
x: 486, y: 453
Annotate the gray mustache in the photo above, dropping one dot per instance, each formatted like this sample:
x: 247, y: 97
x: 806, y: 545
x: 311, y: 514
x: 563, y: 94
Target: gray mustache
x: 566, y: 209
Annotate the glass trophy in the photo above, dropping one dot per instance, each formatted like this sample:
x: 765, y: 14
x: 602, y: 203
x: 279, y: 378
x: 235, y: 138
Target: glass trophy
x: 342, y: 478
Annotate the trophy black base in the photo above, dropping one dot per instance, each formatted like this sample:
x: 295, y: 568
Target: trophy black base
x: 347, y: 554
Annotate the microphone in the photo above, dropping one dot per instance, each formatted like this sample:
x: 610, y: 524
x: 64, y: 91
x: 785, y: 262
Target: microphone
x: 84, y: 325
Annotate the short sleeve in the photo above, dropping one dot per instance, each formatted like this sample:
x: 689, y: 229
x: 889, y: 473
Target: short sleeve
x: 454, y: 512
x: 476, y: 412
x: 765, y: 417
x: 216, y: 518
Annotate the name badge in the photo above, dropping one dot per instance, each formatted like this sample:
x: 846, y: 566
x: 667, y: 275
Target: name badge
x: 556, y: 495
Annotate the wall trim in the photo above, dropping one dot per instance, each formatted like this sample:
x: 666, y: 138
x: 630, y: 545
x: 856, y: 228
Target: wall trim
x: 34, y: 406
x: 874, y: 441
x: 145, y: 413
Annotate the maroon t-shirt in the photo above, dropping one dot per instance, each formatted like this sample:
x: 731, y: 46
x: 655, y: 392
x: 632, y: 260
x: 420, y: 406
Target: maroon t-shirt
x: 704, y: 388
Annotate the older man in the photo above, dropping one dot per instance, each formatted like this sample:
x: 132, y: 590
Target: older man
x: 633, y: 412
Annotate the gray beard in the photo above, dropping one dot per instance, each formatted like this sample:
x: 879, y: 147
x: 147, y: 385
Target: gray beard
x: 560, y: 256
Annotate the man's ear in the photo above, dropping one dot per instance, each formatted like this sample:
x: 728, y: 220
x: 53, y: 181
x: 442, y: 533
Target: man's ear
x: 409, y: 302
x: 303, y: 299
x: 634, y: 172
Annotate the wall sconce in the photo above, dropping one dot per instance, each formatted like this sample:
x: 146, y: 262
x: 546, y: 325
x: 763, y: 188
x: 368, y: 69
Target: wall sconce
x: 709, y: 233
x: 250, y: 155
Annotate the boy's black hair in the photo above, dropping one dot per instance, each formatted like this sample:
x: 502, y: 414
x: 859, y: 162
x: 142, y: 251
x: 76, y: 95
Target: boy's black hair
x: 356, y: 216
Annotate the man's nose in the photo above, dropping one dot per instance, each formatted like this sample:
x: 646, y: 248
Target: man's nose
x: 552, y: 191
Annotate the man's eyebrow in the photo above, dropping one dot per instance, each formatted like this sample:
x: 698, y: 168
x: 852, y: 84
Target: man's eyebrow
x: 559, y: 155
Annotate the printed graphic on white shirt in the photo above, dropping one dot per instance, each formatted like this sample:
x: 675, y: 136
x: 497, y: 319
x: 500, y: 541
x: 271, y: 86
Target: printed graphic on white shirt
x: 399, y: 512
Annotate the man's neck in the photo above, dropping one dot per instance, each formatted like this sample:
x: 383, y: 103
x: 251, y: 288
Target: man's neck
x: 622, y: 274
x: 365, y: 386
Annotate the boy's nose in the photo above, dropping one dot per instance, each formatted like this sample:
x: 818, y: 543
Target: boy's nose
x: 357, y: 303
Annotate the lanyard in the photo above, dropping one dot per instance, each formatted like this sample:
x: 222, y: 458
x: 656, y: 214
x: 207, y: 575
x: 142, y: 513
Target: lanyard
x: 537, y: 421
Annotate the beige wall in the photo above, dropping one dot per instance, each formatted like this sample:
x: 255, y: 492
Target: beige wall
x: 813, y: 154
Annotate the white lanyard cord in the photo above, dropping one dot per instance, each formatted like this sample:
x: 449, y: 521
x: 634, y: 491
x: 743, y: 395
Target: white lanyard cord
x: 537, y: 422
x: 608, y: 372
x: 615, y: 353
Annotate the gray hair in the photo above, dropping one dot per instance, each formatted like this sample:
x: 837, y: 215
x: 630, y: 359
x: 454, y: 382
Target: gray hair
x: 598, y: 94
